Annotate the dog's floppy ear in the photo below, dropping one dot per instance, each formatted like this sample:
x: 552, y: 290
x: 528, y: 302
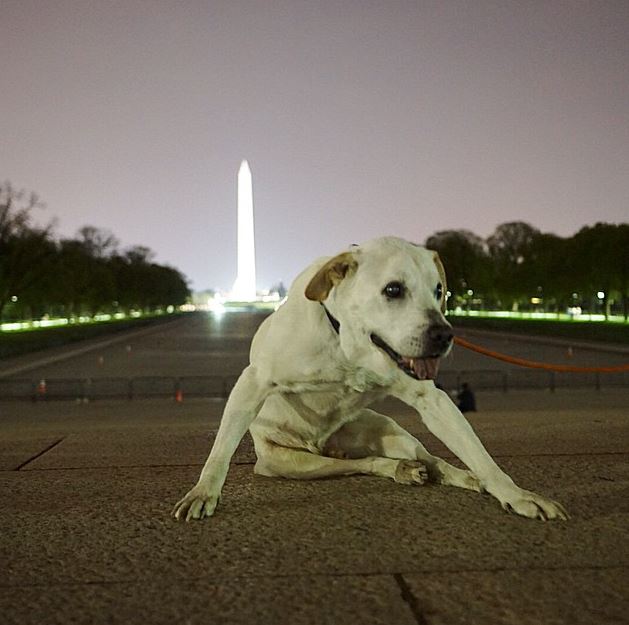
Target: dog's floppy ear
x: 329, y: 276
x: 442, y: 275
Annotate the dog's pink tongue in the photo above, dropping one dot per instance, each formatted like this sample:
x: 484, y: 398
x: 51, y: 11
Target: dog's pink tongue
x: 426, y: 368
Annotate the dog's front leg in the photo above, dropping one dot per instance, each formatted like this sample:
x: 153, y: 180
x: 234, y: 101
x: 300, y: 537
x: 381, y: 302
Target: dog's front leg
x: 243, y: 405
x: 445, y: 421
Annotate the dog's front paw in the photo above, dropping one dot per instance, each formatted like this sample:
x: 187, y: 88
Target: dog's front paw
x: 534, y: 506
x: 411, y: 472
x: 198, y: 503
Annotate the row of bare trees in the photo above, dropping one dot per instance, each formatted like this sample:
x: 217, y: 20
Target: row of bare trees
x: 41, y: 274
x: 519, y: 267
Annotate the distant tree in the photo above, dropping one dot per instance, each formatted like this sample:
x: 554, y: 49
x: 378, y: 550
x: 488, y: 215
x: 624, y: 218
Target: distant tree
x: 548, y: 264
x: 84, y: 279
x: 622, y: 268
x: 142, y: 284
x: 510, y: 250
x: 35, y: 295
x: 168, y: 286
x: 139, y: 255
x: 24, y: 247
x: 464, y: 256
x: 518, y: 262
x: 84, y: 275
x: 601, y: 263
x: 132, y: 285
x: 97, y: 242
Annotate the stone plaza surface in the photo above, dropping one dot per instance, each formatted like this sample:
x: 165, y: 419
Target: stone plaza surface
x: 86, y: 534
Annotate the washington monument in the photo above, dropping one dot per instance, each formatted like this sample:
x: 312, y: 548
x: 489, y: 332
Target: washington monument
x: 244, y: 289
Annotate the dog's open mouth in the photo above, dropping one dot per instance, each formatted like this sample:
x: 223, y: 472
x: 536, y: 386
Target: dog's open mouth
x: 419, y: 368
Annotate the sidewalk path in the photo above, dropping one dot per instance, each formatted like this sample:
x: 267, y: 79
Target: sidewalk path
x: 35, y: 360
x: 86, y: 534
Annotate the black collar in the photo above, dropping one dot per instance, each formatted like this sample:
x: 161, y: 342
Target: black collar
x: 335, y: 322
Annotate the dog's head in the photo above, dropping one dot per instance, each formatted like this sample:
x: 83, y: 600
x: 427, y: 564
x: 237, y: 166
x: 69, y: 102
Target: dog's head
x: 389, y: 296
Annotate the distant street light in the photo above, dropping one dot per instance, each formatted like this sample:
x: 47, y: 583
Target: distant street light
x: 601, y: 295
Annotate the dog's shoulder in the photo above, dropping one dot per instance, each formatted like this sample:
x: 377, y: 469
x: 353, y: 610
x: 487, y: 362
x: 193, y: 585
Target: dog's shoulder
x: 294, y: 332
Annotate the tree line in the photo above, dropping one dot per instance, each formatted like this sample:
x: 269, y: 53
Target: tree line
x: 518, y: 267
x: 41, y: 274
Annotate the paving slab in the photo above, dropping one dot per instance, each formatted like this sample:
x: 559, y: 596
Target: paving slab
x: 300, y: 600
x: 530, y: 597
x: 31, y: 418
x: 87, y: 537
x: 164, y: 446
x: 538, y: 432
x: 149, y: 447
x: 96, y: 525
x: 86, y: 534
x: 165, y: 433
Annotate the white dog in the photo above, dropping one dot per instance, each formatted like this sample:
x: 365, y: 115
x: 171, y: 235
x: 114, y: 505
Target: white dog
x: 355, y: 328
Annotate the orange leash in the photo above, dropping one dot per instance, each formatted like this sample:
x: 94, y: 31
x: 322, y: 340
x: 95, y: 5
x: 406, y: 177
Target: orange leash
x: 536, y: 365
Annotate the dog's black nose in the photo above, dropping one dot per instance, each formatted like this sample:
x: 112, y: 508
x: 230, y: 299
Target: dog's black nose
x: 439, y: 337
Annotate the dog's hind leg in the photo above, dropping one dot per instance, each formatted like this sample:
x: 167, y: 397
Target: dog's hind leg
x: 300, y: 464
x: 375, y: 434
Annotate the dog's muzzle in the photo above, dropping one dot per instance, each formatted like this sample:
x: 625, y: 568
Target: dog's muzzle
x: 438, y: 339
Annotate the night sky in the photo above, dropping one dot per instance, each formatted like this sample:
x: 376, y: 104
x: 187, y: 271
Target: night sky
x: 358, y: 118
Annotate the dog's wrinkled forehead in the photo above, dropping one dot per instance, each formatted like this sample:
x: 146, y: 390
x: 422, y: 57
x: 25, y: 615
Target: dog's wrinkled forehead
x: 396, y: 259
x: 414, y: 273
x: 385, y: 266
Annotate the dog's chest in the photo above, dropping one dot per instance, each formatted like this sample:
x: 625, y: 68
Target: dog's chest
x: 311, y: 416
x: 306, y: 417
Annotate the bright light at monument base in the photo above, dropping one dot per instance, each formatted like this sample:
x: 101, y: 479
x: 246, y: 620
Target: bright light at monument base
x: 215, y: 305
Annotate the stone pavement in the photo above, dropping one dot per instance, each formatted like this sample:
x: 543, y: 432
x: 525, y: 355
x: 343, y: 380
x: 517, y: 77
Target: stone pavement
x: 86, y: 534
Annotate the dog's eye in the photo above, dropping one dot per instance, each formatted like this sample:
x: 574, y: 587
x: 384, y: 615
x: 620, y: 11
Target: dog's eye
x: 394, y: 290
x: 439, y: 291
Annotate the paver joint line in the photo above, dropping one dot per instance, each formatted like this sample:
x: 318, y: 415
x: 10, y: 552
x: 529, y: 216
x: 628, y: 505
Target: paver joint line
x: 38, y: 455
x: 410, y: 599
x: 115, y: 466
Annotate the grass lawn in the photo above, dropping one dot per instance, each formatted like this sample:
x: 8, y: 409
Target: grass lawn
x: 19, y: 342
x: 612, y: 332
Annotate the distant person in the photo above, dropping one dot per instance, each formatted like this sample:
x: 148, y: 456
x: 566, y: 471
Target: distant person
x: 466, y: 399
